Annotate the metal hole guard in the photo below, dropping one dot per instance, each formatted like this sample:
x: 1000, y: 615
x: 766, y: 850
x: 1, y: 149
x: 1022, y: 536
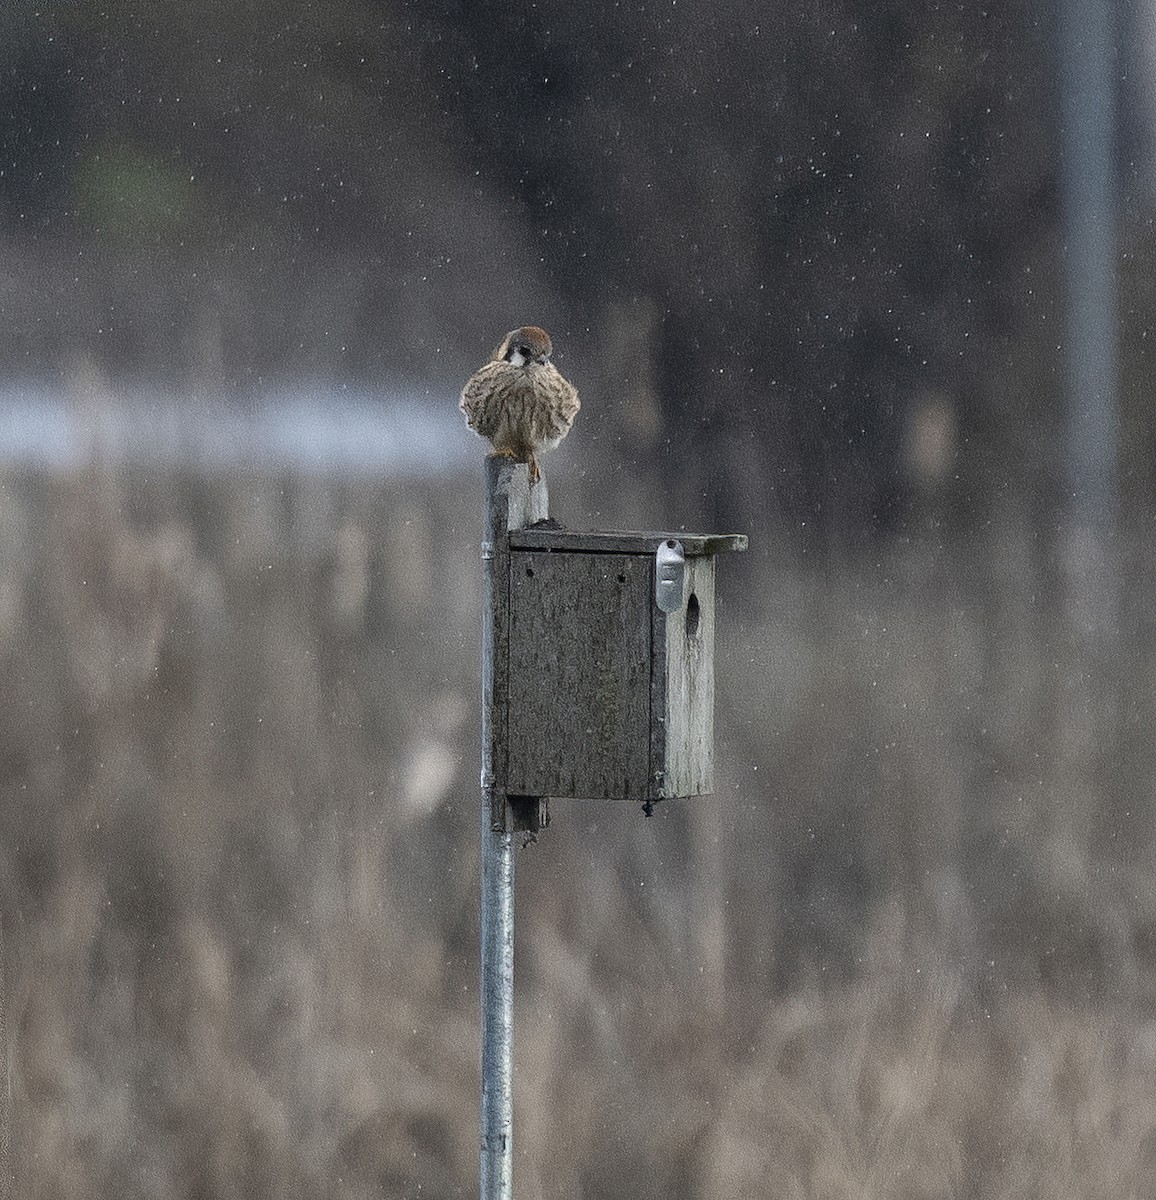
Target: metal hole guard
x: 597, y: 683
x: 669, y: 575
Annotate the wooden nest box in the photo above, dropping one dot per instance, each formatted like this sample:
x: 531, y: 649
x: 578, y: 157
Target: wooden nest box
x: 603, y: 643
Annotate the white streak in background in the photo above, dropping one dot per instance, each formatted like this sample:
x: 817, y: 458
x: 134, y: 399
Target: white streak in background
x: 327, y: 431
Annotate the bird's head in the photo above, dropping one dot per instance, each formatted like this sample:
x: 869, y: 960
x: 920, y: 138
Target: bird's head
x: 520, y: 347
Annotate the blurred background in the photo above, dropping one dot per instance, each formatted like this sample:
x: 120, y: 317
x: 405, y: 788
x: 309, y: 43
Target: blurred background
x: 871, y: 282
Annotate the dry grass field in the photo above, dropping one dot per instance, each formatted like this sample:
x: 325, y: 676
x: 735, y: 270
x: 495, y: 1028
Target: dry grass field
x: 907, y: 952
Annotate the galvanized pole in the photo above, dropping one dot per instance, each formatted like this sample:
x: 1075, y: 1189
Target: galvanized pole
x: 510, y: 504
x: 497, y: 1167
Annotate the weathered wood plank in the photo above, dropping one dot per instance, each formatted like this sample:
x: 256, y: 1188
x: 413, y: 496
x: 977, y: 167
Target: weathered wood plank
x: 658, y: 727
x: 623, y: 542
x: 495, y: 636
x: 579, y: 677
x: 686, y: 650
x: 510, y: 503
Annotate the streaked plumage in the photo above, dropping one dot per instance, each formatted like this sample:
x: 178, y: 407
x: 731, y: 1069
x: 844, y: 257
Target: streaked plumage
x: 519, y: 401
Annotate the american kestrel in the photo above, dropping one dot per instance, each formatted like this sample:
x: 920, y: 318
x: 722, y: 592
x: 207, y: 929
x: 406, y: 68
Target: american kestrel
x: 518, y: 400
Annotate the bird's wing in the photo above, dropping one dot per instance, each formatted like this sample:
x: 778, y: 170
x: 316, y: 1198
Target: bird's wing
x: 476, y: 395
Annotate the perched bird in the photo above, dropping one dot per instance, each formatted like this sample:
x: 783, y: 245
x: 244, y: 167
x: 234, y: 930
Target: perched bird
x: 518, y: 400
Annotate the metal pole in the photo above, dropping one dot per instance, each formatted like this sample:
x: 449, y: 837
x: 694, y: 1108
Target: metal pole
x: 497, y: 1167
x: 1086, y: 726
x: 1088, y: 67
x: 511, y: 503
x: 497, y: 858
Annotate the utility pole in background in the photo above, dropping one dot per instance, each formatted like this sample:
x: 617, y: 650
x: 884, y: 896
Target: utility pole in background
x: 1088, y: 71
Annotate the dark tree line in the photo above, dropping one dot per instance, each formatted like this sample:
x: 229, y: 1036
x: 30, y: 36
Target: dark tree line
x: 829, y: 205
x: 827, y: 210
